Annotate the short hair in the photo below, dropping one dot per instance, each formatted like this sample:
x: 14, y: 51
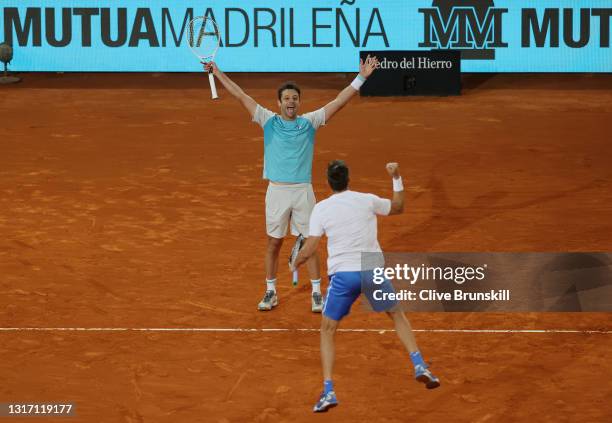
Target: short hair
x: 337, y: 175
x: 289, y: 85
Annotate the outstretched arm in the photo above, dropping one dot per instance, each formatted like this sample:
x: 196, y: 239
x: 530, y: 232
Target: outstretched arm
x: 232, y: 87
x: 365, y: 70
x: 309, y: 248
x: 397, y: 203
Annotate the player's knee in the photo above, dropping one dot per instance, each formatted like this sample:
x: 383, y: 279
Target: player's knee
x: 274, y: 244
x: 328, y: 326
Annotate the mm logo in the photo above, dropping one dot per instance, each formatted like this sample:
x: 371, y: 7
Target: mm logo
x: 472, y: 26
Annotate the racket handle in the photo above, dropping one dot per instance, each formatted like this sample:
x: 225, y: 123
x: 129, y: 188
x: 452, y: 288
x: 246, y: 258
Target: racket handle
x: 295, y: 278
x: 213, y: 86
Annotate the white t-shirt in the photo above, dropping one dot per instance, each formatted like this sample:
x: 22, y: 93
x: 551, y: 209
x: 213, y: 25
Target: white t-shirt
x: 348, y: 219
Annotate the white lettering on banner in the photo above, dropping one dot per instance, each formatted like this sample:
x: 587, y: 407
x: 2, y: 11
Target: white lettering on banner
x: 412, y: 63
x: 432, y: 295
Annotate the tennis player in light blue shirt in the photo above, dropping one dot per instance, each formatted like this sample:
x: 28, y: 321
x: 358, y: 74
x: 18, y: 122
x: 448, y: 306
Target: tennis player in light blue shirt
x: 289, y: 140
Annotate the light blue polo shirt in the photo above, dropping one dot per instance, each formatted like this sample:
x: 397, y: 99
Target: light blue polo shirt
x: 288, y: 144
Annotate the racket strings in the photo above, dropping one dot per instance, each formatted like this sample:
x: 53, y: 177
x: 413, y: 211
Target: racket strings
x: 203, y: 37
x: 299, y: 242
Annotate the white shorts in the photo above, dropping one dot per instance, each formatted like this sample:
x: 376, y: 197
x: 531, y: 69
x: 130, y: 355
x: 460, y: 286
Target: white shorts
x: 288, y: 202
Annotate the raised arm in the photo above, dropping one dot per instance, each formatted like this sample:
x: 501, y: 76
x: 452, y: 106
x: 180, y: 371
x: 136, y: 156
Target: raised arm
x: 232, y: 87
x: 365, y: 70
x: 397, y: 202
x: 309, y: 248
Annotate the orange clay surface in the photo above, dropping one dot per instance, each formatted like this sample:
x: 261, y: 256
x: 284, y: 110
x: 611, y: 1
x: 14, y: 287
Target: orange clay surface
x: 135, y: 201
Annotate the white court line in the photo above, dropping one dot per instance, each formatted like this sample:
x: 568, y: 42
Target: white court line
x: 586, y: 331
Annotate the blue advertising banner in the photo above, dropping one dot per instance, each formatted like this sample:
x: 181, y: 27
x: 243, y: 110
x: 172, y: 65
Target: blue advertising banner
x: 312, y: 36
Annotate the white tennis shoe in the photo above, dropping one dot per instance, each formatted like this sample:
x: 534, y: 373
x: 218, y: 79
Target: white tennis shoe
x: 269, y: 301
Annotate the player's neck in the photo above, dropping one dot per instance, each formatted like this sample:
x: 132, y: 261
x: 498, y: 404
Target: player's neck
x: 285, y: 117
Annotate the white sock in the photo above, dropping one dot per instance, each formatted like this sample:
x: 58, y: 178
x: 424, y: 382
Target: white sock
x: 316, y: 285
x: 271, y: 284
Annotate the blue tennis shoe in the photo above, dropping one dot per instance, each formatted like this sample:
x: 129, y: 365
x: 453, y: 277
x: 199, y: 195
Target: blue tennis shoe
x: 326, y: 401
x: 423, y: 375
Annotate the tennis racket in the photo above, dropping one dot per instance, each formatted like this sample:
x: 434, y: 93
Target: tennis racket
x: 203, y: 39
x: 299, y: 242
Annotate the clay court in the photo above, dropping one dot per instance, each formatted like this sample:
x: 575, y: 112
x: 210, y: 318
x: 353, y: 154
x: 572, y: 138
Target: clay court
x: 134, y: 202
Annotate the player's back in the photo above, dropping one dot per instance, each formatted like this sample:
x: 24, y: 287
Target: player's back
x: 348, y: 218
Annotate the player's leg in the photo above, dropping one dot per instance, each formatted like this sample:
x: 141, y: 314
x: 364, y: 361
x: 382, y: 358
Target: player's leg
x: 270, y: 299
x: 272, y: 253
x: 344, y: 289
x: 406, y: 335
x: 313, y: 265
x: 278, y: 210
x: 404, y: 331
x: 303, y: 202
x: 328, y: 398
x: 328, y: 333
x: 379, y: 303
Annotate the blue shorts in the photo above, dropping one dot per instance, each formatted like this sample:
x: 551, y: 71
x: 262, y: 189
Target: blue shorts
x: 344, y: 289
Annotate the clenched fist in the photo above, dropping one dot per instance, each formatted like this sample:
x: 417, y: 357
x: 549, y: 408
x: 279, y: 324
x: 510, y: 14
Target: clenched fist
x: 393, y: 169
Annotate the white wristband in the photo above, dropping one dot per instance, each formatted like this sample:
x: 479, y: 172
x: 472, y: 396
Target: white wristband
x: 358, y: 82
x: 398, y: 185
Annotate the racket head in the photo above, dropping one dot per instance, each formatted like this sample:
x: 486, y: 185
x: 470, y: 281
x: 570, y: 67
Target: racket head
x: 203, y: 38
x: 299, y: 243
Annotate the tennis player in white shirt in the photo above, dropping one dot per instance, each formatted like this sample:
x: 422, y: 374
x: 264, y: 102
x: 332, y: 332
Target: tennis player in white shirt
x: 348, y: 218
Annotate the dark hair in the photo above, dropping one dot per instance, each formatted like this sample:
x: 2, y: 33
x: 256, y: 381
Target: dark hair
x: 289, y: 85
x: 337, y: 175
